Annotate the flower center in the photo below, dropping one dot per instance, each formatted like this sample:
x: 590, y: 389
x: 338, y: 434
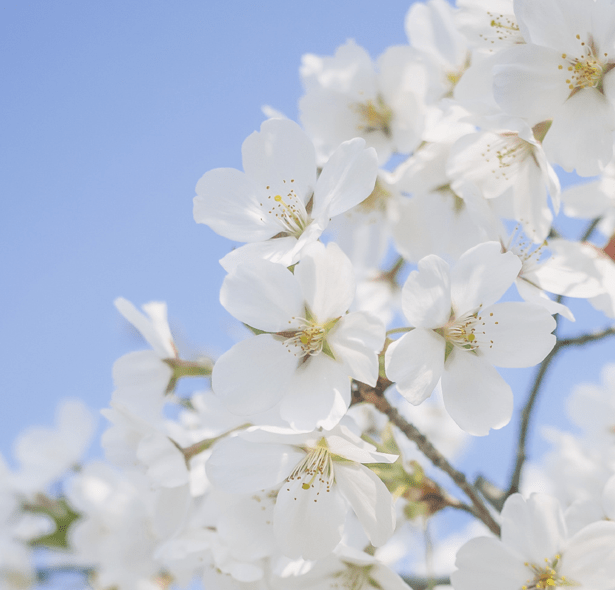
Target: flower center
x: 587, y: 70
x: 546, y: 576
x: 506, y: 155
x: 468, y: 331
x: 528, y: 252
x: 310, y: 338
x: 373, y: 116
x: 316, y: 469
x: 354, y: 577
x: 288, y: 210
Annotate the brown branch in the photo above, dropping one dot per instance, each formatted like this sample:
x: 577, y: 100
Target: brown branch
x: 375, y: 396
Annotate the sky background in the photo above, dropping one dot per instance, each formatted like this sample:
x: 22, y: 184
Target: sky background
x: 110, y: 113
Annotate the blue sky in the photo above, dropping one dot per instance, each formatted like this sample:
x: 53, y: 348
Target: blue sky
x: 111, y: 111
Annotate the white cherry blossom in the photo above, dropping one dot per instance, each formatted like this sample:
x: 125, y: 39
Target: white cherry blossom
x: 537, y: 552
x: 563, y: 73
x: 320, y: 474
x: 347, y: 96
x: 460, y: 333
x: 278, y: 205
x: 311, y: 347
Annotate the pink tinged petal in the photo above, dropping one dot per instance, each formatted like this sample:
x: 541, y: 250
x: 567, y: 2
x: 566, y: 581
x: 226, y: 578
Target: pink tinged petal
x: 482, y: 561
x: 346, y: 180
x: 528, y: 83
x: 238, y: 466
x: 155, y: 328
x: 415, y: 363
x: 481, y: 276
x: 515, y: 334
x: 533, y: 294
x: 370, y: 499
x: 475, y: 395
x: 589, y: 557
x: 308, y: 523
x: 279, y: 250
x: 280, y: 152
x: 252, y: 376
x: 581, y: 136
x: 426, y: 294
x: 263, y: 295
x: 318, y: 394
x: 326, y: 277
x: 570, y: 271
x: 356, y: 341
x: 232, y: 205
x: 534, y: 528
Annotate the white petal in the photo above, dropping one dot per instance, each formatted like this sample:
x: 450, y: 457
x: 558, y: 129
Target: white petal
x: 238, y: 466
x: 588, y: 200
x: 232, y: 205
x: 570, y: 271
x: 155, y: 328
x: 346, y: 180
x: 530, y: 201
x: 356, y: 341
x: 415, y: 363
x: 263, y: 295
x: 326, y: 277
x: 590, y: 556
x: 474, y: 393
x: 528, y: 83
x: 481, y: 561
x: 481, y: 276
x: 308, y: 522
x: 431, y: 28
x: 581, y: 136
x: 165, y: 463
x: 280, y: 152
x: 534, y: 528
x: 608, y: 498
x: 533, y: 294
x: 370, y: 499
x: 358, y: 450
x: 171, y: 506
x: 252, y: 376
x: 517, y: 334
x: 426, y: 294
x: 318, y: 394
x: 553, y: 23
x: 278, y: 250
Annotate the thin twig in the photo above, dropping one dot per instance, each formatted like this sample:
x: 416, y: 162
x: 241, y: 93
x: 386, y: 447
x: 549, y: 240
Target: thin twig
x: 526, y: 414
x: 529, y: 405
x: 375, y: 396
x: 590, y: 229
